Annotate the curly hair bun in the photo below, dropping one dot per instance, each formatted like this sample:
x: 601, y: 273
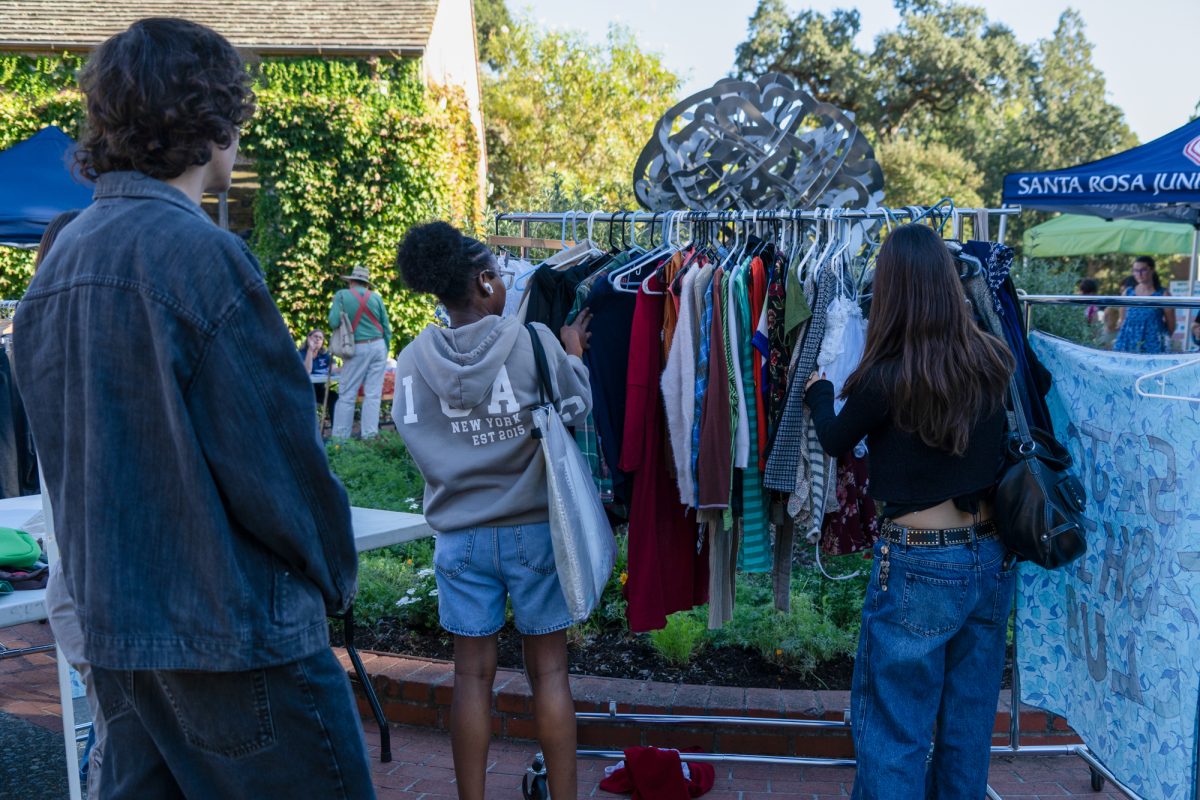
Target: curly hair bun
x: 432, y: 260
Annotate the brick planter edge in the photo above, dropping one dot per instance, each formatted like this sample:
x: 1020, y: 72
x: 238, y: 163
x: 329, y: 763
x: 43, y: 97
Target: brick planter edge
x: 417, y: 691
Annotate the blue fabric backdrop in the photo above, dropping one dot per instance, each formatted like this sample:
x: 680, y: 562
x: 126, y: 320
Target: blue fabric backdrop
x: 1112, y: 642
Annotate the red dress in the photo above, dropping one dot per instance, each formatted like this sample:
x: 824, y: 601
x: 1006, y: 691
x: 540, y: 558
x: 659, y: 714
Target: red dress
x: 666, y: 574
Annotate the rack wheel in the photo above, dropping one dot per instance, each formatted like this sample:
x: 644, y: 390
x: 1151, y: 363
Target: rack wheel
x: 1097, y: 780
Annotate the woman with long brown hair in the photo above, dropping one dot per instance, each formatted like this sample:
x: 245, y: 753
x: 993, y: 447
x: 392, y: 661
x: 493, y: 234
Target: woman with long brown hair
x: 929, y: 398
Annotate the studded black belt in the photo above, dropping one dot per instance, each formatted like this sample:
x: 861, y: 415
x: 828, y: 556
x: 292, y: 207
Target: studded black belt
x: 898, y: 534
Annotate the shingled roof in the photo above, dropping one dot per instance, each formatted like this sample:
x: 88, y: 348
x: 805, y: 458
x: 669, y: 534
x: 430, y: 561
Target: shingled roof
x: 268, y: 27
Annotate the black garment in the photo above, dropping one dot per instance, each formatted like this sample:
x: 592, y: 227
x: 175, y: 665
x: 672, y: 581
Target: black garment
x: 905, y: 473
x: 319, y: 393
x: 552, y: 292
x: 18, y: 463
x: 1035, y: 378
x: 607, y: 359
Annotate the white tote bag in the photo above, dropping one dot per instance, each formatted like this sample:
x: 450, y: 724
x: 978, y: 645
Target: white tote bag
x: 584, y: 547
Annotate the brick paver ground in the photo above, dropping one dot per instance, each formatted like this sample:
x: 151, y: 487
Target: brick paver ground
x: 421, y: 768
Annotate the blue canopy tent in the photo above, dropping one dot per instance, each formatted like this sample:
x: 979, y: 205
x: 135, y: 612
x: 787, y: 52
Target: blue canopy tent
x: 36, y: 185
x: 1158, y: 181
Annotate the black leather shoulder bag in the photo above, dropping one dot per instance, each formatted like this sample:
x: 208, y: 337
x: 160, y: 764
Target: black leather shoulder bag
x: 1039, y: 502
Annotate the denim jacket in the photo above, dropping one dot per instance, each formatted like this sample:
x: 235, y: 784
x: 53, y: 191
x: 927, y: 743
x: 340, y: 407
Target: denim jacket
x: 199, y: 524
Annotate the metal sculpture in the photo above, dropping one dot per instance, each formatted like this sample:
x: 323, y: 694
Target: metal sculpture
x: 753, y: 145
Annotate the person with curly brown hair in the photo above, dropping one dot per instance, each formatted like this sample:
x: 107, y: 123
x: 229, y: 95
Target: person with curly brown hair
x: 204, y: 542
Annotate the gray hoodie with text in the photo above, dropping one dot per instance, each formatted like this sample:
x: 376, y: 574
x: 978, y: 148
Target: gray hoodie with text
x: 463, y: 403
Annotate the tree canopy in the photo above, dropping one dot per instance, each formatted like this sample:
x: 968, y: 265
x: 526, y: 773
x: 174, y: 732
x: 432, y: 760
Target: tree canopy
x: 947, y: 92
x: 567, y: 116
x: 951, y: 100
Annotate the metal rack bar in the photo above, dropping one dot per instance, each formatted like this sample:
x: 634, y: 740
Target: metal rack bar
x: 676, y: 719
x: 1031, y: 300
x: 728, y: 216
x: 1103, y: 300
x: 729, y: 758
x: 1102, y: 770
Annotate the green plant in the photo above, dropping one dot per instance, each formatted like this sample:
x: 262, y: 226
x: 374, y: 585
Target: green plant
x: 1054, y: 276
x: 349, y: 153
x: 798, y: 639
x: 378, y: 473
x: 610, y: 611
x: 678, y: 642
x: 398, y: 583
x: 839, y: 601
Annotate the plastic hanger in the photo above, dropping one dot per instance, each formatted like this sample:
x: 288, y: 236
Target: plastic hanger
x: 737, y: 238
x: 569, y: 257
x: 1160, y: 374
x: 823, y: 259
x: 616, y: 277
x: 672, y: 248
x: 818, y: 229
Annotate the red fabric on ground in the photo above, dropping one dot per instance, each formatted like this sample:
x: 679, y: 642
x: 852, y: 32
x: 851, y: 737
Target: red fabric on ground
x: 654, y: 774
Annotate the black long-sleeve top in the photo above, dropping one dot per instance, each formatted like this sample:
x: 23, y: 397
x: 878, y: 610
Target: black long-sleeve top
x: 906, y: 474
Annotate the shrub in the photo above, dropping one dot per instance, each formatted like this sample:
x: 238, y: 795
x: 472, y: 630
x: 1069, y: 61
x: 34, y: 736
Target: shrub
x: 678, y: 642
x: 398, y: 583
x: 1053, y: 276
x: 348, y: 152
x: 839, y: 601
x: 378, y: 473
x: 799, y: 639
x: 610, y: 612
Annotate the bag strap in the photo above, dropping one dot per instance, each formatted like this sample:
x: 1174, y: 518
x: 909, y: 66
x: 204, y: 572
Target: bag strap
x: 1027, y: 445
x: 362, y: 307
x: 545, y: 387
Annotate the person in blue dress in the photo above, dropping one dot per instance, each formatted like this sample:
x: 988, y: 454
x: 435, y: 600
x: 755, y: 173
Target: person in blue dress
x: 1145, y: 329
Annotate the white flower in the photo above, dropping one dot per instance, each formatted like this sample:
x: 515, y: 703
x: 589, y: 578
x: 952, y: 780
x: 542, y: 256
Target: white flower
x: 434, y: 593
x: 411, y: 592
x: 424, y: 573
x: 407, y: 601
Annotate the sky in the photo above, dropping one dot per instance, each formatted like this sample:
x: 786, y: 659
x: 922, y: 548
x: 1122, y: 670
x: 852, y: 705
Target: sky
x: 1147, y: 49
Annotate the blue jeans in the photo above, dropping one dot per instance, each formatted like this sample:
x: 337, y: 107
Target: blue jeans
x: 930, y: 658
x: 285, y: 731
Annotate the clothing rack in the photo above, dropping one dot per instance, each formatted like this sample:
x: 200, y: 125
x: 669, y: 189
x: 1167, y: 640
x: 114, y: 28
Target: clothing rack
x: 980, y: 217
x: 980, y: 220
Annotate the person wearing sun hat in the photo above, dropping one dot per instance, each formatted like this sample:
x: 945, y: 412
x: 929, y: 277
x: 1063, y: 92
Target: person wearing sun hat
x: 372, y: 341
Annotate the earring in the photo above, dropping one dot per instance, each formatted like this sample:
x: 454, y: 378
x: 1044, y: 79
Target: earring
x: 487, y: 287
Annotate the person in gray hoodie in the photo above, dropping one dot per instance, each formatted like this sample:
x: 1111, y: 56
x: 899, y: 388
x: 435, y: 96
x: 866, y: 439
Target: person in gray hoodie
x: 463, y: 402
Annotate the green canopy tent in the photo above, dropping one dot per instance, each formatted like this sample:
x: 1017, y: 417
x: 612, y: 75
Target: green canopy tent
x: 1079, y: 235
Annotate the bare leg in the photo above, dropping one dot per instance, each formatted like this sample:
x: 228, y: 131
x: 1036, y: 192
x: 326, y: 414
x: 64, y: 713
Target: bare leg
x: 470, y: 712
x: 553, y: 710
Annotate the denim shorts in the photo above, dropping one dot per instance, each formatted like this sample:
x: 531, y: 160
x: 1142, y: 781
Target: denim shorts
x: 478, y: 567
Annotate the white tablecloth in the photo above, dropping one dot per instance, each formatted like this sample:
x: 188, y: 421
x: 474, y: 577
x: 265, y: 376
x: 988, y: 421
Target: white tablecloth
x: 373, y: 529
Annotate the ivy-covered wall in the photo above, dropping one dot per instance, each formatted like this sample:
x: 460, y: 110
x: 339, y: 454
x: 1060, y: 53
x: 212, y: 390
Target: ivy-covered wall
x: 34, y: 93
x: 349, y: 154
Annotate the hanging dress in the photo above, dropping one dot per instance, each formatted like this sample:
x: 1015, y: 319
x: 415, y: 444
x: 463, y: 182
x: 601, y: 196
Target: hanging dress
x: 666, y: 574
